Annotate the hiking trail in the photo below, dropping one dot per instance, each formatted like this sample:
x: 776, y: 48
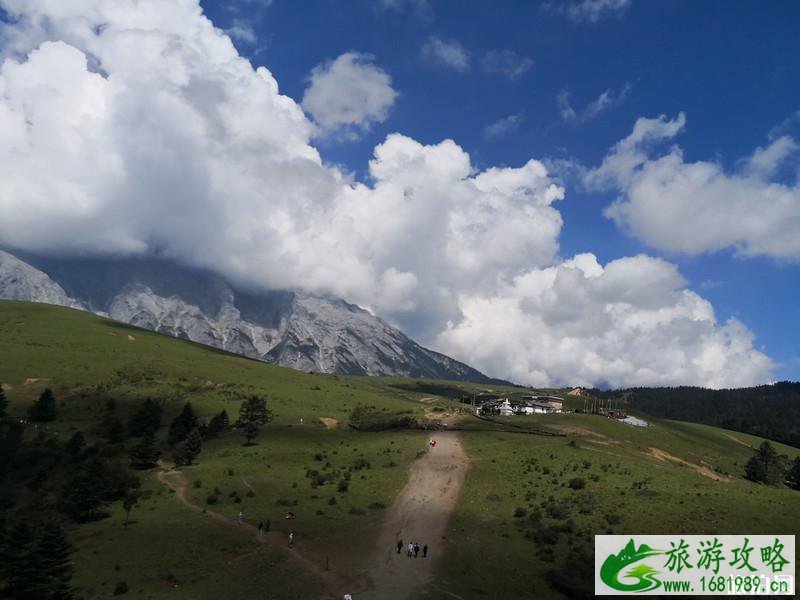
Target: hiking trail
x: 419, y: 514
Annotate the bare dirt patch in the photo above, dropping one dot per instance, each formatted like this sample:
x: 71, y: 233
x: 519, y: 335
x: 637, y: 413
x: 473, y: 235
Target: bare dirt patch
x: 419, y: 514
x: 737, y: 440
x: 580, y: 431
x: 329, y: 422
x: 661, y: 455
x: 33, y: 380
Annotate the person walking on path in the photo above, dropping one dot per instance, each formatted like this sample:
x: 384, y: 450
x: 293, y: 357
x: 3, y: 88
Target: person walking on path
x: 410, y: 549
x: 425, y: 551
x: 416, y: 550
x: 261, y: 529
x: 291, y: 540
x: 240, y: 517
x: 399, y: 546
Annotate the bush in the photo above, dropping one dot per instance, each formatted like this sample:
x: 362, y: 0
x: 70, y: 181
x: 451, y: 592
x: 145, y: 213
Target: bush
x: 613, y: 519
x: 250, y: 494
x: 197, y: 484
x: 357, y: 511
x: 332, y: 501
x: 360, y: 463
x: 212, y: 499
x: 120, y: 588
x: 343, y: 485
x: 520, y: 512
x: 577, y: 483
x: 377, y: 506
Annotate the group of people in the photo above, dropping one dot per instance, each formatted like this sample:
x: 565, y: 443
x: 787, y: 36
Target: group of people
x: 412, y: 549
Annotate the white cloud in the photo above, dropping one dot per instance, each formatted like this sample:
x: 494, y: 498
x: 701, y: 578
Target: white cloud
x: 628, y: 323
x: 697, y: 207
x: 592, y: 11
x: 507, y: 63
x: 603, y: 102
x: 422, y: 9
x: 502, y: 127
x: 243, y: 31
x: 132, y: 127
x: 446, y: 53
x: 347, y: 95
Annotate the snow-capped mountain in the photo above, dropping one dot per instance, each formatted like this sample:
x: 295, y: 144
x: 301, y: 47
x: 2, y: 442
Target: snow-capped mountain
x: 288, y: 328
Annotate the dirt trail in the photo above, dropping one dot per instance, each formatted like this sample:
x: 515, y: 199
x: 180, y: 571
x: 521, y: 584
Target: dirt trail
x: 700, y: 469
x: 335, y: 583
x: 419, y: 514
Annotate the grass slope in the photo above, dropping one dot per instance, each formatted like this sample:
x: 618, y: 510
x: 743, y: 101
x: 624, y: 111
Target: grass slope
x: 672, y: 477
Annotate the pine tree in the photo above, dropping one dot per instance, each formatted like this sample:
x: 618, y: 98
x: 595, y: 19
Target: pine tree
x: 182, y: 425
x: 20, y: 562
x: 75, y: 444
x: 766, y: 466
x: 84, y: 494
x: 188, y: 449
x: 793, y: 476
x: 250, y: 430
x: 145, y: 454
x: 111, y: 428
x: 130, y: 501
x: 44, y: 409
x: 54, y: 552
x: 254, y: 410
x: 216, y: 425
x: 3, y: 403
x: 147, y: 417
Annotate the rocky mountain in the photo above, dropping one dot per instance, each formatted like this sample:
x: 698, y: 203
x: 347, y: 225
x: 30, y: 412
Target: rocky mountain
x: 287, y: 328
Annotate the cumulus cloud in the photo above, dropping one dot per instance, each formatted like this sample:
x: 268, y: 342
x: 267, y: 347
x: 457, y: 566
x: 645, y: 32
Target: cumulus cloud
x: 347, y: 95
x: 592, y: 11
x: 697, y: 207
x: 603, y: 102
x: 507, y: 63
x: 503, y: 127
x: 629, y: 322
x: 134, y: 127
x: 448, y: 54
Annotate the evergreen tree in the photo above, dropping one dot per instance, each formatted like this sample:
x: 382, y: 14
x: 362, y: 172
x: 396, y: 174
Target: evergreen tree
x: 10, y: 443
x: 54, y: 552
x: 188, y: 449
x: 254, y: 410
x: 145, y: 454
x: 130, y: 501
x: 793, y: 476
x: 250, y: 431
x: 44, y: 409
x: 24, y: 578
x: 3, y: 403
x: 216, y: 425
x: 147, y: 417
x: 75, y: 444
x: 111, y: 428
x: 84, y: 494
x: 766, y: 466
x: 182, y: 425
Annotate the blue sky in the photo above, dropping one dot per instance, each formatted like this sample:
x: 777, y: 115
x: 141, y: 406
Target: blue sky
x: 588, y: 192
x: 732, y: 67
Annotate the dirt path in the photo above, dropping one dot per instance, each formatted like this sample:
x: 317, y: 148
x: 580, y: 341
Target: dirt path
x: 420, y: 514
x: 700, y: 469
x: 333, y: 582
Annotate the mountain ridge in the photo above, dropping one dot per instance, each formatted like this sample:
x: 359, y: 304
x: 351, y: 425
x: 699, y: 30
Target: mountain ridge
x: 289, y: 328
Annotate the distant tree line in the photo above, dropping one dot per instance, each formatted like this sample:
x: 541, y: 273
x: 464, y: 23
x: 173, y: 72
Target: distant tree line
x: 770, y: 411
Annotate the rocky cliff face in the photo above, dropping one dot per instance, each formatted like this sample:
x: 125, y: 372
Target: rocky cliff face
x: 291, y: 329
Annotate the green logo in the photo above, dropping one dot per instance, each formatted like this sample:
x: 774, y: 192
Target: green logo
x: 643, y: 573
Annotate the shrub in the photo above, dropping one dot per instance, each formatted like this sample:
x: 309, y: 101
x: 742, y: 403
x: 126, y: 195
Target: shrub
x: 250, y: 494
x: 120, y: 588
x: 212, y: 499
x: 332, y: 501
x: 357, y: 511
x: 613, y: 519
x: 343, y: 485
x: 577, y: 483
x: 197, y: 484
x: 377, y: 506
x: 520, y: 512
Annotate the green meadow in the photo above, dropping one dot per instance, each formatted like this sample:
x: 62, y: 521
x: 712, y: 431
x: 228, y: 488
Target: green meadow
x: 523, y: 526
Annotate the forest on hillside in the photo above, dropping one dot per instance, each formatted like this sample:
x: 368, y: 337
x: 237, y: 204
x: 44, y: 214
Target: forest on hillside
x: 770, y: 411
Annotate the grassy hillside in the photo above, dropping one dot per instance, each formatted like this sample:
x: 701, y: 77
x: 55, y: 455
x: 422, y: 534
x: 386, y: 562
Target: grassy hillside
x: 521, y: 517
